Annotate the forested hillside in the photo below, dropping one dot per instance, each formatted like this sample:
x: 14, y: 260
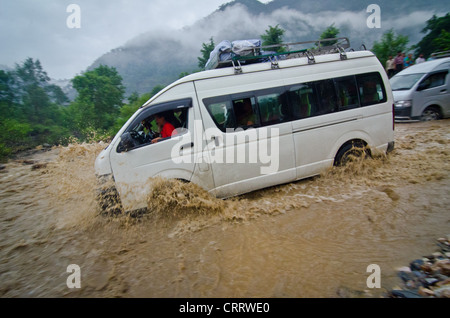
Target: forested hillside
x: 160, y: 56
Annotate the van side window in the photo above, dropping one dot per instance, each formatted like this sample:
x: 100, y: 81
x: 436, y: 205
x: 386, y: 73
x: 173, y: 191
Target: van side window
x: 303, y: 100
x: 164, y: 124
x: 231, y: 113
x: 297, y: 101
x: 154, y: 127
x: 245, y: 112
x: 347, y: 92
x: 434, y: 80
x: 222, y: 113
x: 327, y: 97
x: 273, y: 106
x: 371, y: 89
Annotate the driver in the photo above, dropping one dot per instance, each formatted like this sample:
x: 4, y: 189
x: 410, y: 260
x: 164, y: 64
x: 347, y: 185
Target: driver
x: 166, y: 128
x: 148, y: 132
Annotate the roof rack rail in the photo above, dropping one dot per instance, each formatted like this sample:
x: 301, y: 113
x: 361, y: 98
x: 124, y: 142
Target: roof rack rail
x: 438, y: 55
x: 271, y: 53
x: 321, y: 46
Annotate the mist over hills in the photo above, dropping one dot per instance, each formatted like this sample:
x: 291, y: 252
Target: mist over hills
x: 158, y: 57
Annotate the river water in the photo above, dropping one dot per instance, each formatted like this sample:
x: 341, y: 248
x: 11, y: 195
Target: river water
x: 311, y: 238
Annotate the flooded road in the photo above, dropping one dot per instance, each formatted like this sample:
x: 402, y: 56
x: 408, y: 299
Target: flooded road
x: 311, y: 238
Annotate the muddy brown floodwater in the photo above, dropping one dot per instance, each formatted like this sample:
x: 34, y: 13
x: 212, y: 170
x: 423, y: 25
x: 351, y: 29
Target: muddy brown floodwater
x: 311, y: 238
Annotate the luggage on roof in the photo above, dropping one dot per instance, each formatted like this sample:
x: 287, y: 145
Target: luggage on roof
x: 225, y: 51
x: 252, y: 51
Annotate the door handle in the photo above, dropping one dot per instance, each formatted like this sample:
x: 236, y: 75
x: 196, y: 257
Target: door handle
x: 216, y: 140
x: 443, y: 91
x: 188, y: 145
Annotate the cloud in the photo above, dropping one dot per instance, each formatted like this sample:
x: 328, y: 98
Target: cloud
x: 38, y: 29
x: 237, y: 23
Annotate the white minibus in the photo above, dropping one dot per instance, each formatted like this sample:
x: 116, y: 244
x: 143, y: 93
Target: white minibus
x: 422, y: 91
x: 237, y: 129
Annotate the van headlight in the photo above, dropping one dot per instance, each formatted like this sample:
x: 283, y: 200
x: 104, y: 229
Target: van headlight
x: 403, y: 103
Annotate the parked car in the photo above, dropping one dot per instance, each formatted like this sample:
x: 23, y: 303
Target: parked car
x: 422, y: 91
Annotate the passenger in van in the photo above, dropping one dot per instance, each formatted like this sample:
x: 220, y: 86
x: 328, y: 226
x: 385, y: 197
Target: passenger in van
x: 166, y: 128
x: 370, y: 94
x: 148, y: 132
x: 273, y: 113
x: 284, y: 107
x: 244, y: 113
x: 302, y: 106
x: 327, y: 97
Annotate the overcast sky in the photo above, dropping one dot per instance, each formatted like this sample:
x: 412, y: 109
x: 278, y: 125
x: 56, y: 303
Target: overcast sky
x: 38, y: 29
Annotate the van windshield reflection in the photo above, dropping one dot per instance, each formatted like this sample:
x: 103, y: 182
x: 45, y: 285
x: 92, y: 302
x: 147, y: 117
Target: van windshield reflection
x: 404, y: 82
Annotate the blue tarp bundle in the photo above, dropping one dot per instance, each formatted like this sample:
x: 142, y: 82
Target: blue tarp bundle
x: 226, y: 50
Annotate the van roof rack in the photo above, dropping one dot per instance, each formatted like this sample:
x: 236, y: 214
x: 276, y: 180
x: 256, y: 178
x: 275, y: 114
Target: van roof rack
x: 439, y: 55
x: 283, y: 51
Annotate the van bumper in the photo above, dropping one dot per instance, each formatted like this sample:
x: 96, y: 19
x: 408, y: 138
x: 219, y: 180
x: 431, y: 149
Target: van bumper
x: 402, y: 113
x: 390, y: 146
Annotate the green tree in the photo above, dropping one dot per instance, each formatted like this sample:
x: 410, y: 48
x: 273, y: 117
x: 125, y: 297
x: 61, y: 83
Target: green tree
x: 28, y: 113
x: 156, y: 90
x: 7, y: 96
x: 33, y: 85
x: 100, y: 95
x: 442, y: 43
x: 389, y: 45
x: 206, y: 50
x: 183, y: 74
x: 133, y: 97
x: 13, y: 129
x: 14, y: 135
x: 127, y: 110
x: 330, y: 33
x: 273, y: 36
x: 436, y: 38
x: 57, y: 95
x: 31, y: 72
x: 34, y: 107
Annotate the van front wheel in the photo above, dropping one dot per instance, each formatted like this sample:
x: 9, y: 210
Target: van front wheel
x: 431, y: 113
x: 109, y: 201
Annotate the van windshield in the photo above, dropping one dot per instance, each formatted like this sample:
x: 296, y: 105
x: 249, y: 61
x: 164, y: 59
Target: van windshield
x: 404, y: 82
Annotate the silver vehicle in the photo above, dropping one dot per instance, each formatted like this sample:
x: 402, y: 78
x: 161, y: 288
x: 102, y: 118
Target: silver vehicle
x: 422, y: 91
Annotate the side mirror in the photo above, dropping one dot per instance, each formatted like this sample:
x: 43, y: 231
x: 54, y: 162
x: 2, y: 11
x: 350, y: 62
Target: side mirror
x: 126, y: 143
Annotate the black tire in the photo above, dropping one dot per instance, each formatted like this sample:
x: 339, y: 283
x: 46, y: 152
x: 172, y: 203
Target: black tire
x: 350, y: 150
x: 109, y: 201
x: 430, y: 113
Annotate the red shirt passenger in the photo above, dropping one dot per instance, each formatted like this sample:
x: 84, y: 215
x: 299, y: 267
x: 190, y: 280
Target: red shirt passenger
x: 167, y: 129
